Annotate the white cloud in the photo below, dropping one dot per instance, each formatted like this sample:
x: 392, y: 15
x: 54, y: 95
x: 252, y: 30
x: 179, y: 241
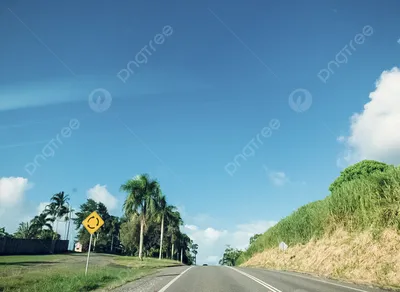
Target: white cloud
x: 278, y: 178
x: 373, y: 132
x: 191, y: 227
x: 12, y: 191
x: 101, y: 194
x: 212, y: 242
x: 13, y: 206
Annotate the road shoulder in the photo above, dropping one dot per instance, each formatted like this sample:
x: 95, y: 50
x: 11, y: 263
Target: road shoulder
x: 153, y: 282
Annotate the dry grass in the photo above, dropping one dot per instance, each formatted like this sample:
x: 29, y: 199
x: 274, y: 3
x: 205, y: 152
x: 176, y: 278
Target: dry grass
x: 362, y: 258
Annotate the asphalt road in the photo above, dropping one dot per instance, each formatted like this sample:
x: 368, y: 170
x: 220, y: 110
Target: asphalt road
x: 226, y: 279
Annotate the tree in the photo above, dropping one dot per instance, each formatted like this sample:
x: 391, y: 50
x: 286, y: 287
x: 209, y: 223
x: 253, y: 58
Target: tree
x: 130, y: 235
x: 163, y: 211
x: 174, y: 220
x: 42, y: 222
x: 3, y: 233
x: 25, y: 231
x: 142, y: 192
x: 114, y: 231
x: 254, y: 238
x: 58, y: 207
x: 194, y: 248
x: 102, y: 238
x: 359, y: 170
x: 185, y: 243
x: 230, y: 256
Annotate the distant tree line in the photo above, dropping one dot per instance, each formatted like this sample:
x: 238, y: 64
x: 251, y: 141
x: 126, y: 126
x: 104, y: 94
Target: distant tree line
x: 45, y: 225
x: 149, y: 226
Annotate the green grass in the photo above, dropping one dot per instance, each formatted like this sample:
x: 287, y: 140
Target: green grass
x: 67, y: 272
x: 370, y: 203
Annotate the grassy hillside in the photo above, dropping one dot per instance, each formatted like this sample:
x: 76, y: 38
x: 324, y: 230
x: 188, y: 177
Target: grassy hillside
x: 366, y: 197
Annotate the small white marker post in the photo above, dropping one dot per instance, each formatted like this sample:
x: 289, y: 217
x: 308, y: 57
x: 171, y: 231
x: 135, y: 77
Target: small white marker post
x: 88, y: 254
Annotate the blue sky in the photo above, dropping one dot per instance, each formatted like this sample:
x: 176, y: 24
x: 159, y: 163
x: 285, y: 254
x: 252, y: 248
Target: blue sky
x: 226, y: 70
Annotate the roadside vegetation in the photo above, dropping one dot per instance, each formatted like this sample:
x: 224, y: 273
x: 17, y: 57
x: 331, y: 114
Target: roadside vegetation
x: 364, y: 202
x: 149, y: 230
x: 50, y: 273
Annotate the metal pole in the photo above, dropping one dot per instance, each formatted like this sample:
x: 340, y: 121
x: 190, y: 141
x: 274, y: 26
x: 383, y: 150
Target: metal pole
x: 69, y: 221
x: 87, y: 261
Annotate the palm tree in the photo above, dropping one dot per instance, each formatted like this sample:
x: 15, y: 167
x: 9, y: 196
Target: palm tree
x: 24, y: 231
x: 174, y: 220
x: 142, y: 192
x: 184, y: 243
x: 3, y: 233
x: 163, y: 211
x: 51, y: 210
x: 195, y: 247
x: 60, y: 200
x: 58, y: 207
x: 42, y: 222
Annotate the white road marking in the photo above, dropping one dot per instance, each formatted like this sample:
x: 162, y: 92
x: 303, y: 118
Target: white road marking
x: 318, y: 280
x: 262, y: 283
x: 163, y: 289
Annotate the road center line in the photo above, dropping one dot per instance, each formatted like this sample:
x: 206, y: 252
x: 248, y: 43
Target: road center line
x: 318, y: 280
x: 163, y: 289
x: 262, y: 283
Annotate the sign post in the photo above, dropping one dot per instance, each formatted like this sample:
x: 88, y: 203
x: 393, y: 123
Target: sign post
x: 88, y: 254
x: 92, y: 223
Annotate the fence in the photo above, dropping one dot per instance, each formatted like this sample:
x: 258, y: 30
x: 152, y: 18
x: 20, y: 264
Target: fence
x: 15, y: 246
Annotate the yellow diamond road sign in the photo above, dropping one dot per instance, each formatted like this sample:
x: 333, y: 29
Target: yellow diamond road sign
x: 93, y: 222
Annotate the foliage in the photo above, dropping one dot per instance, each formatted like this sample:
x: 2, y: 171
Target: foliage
x: 105, y: 239
x: 359, y: 170
x: 371, y: 200
x: 254, y: 238
x: 230, y: 256
x: 142, y: 192
x: 3, y: 233
x: 66, y: 272
x: 146, y: 214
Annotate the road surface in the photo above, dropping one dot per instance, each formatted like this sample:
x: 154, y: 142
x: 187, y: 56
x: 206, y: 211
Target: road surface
x: 226, y: 279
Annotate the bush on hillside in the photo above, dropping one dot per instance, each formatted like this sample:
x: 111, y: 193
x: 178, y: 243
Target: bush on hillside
x: 359, y: 170
x: 365, y: 202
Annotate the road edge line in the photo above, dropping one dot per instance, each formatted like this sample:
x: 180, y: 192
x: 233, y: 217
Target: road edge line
x: 262, y: 283
x: 163, y: 289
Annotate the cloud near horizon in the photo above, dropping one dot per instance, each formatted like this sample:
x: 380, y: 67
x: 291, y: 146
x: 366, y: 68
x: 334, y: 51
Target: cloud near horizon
x: 373, y: 132
x: 212, y: 242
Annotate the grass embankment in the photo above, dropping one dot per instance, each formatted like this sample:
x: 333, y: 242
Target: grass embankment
x: 352, y: 234
x: 67, y: 272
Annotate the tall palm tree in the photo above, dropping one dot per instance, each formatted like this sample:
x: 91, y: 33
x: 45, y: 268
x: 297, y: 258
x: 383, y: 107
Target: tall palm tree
x: 163, y: 211
x: 51, y: 211
x: 174, y: 220
x: 142, y: 192
x: 59, y: 206
x: 194, y: 248
x: 42, y: 222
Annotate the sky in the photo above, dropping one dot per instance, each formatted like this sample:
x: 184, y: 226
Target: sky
x: 243, y: 111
